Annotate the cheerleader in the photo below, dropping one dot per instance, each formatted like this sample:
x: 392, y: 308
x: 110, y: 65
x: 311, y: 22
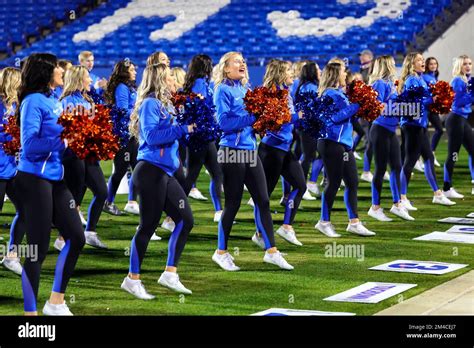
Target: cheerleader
x: 457, y: 126
x: 86, y: 173
x: 179, y: 75
x: 238, y: 142
x: 277, y: 158
x: 384, y: 141
x: 336, y: 151
x: 65, y: 65
x: 431, y: 77
x: 10, y: 80
x: 197, y: 81
x: 44, y: 197
x: 309, y: 81
x: 152, y: 124
x: 416, y: 133
x: 121, y: 92
x: 157, y: 58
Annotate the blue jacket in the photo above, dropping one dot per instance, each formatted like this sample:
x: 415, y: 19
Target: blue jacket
x: 7, y: 162
x: 125, y: 97
x: 58, y: 91
x: 75, y: 99
x: 235, y: 122
x: 308, y: 87
x: 430, y: 78
x: 284, y: 137
x: 95, y: 79
x: 340, y: 127
x: 462, y: 98
x: 422, y: 120
x: 294, y: 87
x: 386, y: 94
x: 202, y: 86
x: 41, y: 146
x: 159, y: 136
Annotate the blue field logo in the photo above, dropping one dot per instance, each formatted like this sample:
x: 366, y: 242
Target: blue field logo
x: 423, y: 267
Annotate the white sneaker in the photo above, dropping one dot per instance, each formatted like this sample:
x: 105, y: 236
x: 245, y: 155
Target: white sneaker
x: 420, y: 166
x: 225, y: 261
x: 168, y: 224
x: 258, y: 241
x: 307, y: 196
x: 207, y: 172
x: 314, y: 188
x: 218, y: 216
x: 452, y: 194
x: 93, y: 240
x: 59, y: 244
x: 442, y: 200
x: 386, y: 176
x: 435, y: 162
x: 378, y: 215
x: 278, y: 260
x: 357, y: 156
x: 289, y: 235
x: 407, y: 204
x: 171, y: 281
x: 56, y: 309
x: 401, y: 212
x: 245, y: 188
x: 367, y: 176
x: 83, y: 219
x: 251, y: 203
x: 155, y: 237
x: 327, y: 228
x: 13, y: 264
x: 132, y: 208
x: 136, y: 288
x: 359, y: 229
x: 196, y: 194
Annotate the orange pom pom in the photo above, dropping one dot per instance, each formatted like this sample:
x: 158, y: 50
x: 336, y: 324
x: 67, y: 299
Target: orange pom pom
x: 444, y: 95
x: 364, y: 95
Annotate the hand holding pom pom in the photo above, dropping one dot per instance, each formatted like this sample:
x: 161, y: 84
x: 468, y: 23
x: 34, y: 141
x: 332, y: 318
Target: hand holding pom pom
x: 443, y: 96
x: 364, y: 95
x: 270, y: 107
x: 12, y: 146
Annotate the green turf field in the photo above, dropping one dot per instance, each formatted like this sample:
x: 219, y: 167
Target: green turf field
x: 95, y: 286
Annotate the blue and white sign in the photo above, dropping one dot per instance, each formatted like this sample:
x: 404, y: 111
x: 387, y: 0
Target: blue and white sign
x: 371, y: 292
x: 461, y: 229
x: 455, y: 220
x: 285, y: 312
x: 447, y: 237
x: 424, y: 267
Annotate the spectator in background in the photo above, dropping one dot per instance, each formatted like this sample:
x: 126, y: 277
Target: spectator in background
x: 366, y: 61
x: 86, y: 59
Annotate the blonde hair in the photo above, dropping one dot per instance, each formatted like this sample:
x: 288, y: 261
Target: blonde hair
x: 458, y: 62
x: 408, y: 69
x: 154, y: 58
x: 338, y: 61
x: 179, y: 74
x: 330, y: 77
x: 221, y: 75
x: 275, y: 73
x: 383, y: 69
x: 297, y: 67
x: 74, y: 81
x: 84, y: 55
x: 153, y: 81
x: 10, y: 81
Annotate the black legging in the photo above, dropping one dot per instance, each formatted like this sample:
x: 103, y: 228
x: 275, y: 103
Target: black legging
x: 252, y: 175
x: 74, y: 175
x: 360, y: 133
x: 125, y: 158
x: 339, y: 164
x: 298, y: 149
x: 435, y: 121
x: 158, y: 191
x: 277, y: 162
x: 44, y: 202
x: 309, y: 147
x: 417, y: 143
x: 386, y: 151
x: 208, y: 158
x: 459, y: 133
x: 17, y: 228
x: 95, y: 181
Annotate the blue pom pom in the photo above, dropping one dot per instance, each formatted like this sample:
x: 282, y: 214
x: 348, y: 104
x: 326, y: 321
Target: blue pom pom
x: 470, y: 86
x: 96, y: 97
x: 120, y: 119
x: 201, y: 112
x: 317, y: 113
